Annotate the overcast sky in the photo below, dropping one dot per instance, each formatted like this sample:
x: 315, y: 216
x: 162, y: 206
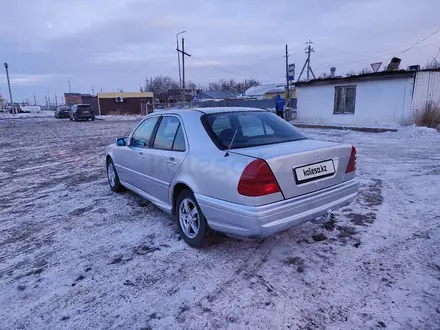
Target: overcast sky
x: 111, y: 44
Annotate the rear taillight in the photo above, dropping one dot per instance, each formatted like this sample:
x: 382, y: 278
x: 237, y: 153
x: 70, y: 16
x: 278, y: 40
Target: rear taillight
x: 351, y: 166
x: 257, y: 180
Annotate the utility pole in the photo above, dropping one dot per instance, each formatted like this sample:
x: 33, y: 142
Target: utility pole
x: 309, y: 49
x: 183, y: 72
x: 287, y: 75
x: 70, y: 89
x: 178, y: 56
x: 9, y: 85
x: 56, y: 100
x: 183, y: 68
x: 93, y: 90
x: 35, y: 100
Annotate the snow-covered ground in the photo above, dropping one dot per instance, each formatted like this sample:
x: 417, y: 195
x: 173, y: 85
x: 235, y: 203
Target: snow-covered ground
x: 34, y: 114
x: 120, y: 117
x: 74, y: 255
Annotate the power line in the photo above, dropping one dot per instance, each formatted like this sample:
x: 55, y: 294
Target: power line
x: 217, y: 67
x: 371, y: 57
x: 381, y: 49
x: 159, y: 55
x: 419, y: 42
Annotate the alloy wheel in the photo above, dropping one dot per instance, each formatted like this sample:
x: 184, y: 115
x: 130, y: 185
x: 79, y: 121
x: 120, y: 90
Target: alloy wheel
x: 189, y: 218
x: 111, y: 174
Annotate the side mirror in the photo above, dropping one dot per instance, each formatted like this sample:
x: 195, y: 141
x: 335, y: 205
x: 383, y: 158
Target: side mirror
x: 121, y: 142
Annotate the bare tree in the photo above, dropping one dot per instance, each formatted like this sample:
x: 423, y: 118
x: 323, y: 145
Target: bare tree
x: 433, y: 65
x: 362, y: 71
x: 324, y: 75
x: 230, y: 85
x: 161, y: 86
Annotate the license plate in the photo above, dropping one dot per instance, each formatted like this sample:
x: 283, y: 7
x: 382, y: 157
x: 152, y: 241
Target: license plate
x: 314, y: 171
x: 85, y: 112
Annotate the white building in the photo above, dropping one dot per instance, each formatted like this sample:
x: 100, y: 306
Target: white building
x: 381, y: 98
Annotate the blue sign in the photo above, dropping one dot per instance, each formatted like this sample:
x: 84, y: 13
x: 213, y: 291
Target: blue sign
x: 292, y: 72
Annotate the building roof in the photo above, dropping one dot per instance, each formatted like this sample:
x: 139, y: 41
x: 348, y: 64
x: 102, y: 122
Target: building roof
x: 261, y: 90
x: 110, y: 95
x: 382, y: 75
x: 218, y: 94
x: 276, y: 90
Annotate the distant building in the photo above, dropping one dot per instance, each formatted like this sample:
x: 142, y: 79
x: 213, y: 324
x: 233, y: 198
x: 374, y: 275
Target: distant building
x: 78, y: 98
x: 268, y: 91
x: 210, y: 95
x: 380, y: 98
x: 125, y: 103
x: 72, y: 98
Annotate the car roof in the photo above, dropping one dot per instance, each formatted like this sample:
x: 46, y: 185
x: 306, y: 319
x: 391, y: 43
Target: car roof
x: 208, y: 110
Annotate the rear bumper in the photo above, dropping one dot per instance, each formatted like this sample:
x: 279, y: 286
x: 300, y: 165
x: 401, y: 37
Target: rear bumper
x: 265, y: 220
x: 86, y: 115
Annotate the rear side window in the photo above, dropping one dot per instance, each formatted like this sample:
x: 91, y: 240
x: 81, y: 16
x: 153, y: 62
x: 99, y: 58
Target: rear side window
x: 253, y: 128
x: 141, y: 136
x: 179, y: 141
x: 169, y: 135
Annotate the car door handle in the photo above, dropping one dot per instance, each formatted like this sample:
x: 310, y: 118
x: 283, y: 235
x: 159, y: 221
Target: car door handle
x: 141, y: 155
x: 171, y: 161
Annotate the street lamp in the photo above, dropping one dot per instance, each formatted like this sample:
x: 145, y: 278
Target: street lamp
x: 9, y: 86
x: 178, y: 56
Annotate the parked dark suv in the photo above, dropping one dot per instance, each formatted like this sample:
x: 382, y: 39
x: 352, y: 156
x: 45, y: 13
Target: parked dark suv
x: 62, y: 112
x: 81, y: 111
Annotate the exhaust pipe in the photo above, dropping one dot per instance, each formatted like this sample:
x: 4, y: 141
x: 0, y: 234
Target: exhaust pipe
x: 322, y: 219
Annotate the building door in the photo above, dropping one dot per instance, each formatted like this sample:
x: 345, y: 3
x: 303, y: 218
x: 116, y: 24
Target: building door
x: 144, y: 108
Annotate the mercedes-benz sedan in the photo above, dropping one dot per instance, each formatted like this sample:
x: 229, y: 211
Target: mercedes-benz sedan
x: 244, y: 172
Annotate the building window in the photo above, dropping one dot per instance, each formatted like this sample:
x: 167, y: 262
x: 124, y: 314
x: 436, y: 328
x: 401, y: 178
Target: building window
x: 345, y: 99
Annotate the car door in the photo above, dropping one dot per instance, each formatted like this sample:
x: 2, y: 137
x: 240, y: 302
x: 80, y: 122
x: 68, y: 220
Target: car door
x: 168, y: 150
x: 131, y: 159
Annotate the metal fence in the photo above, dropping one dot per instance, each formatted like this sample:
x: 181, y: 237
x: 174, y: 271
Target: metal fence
x: 260, y: 104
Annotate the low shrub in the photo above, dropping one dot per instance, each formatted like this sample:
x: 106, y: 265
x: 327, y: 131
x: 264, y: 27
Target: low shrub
x: 428, y: 116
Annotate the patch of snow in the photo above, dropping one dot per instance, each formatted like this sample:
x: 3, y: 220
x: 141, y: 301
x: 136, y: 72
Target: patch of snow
x: 120, y: 117
x: 415, y: 132
x: 41, y: 114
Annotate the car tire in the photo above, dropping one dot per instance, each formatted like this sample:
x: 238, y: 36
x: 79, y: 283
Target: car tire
x: 112, y: 177
x: 70, y: 118
x: 93, y: 118
x: 191, y: 222
x: 56, y: 116
x: 75, y: 118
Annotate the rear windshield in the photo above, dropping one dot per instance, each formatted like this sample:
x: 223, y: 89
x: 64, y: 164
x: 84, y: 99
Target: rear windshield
x: 254, y: 128
x: 83, y: 106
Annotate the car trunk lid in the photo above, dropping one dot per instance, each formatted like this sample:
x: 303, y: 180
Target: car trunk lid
x: 303, y: 166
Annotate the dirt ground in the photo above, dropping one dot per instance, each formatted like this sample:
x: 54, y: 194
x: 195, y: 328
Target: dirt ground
x: 74, y: 255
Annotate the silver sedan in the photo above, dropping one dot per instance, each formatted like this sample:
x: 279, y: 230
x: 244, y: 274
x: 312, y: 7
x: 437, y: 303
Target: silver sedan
x: 244, y: 172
